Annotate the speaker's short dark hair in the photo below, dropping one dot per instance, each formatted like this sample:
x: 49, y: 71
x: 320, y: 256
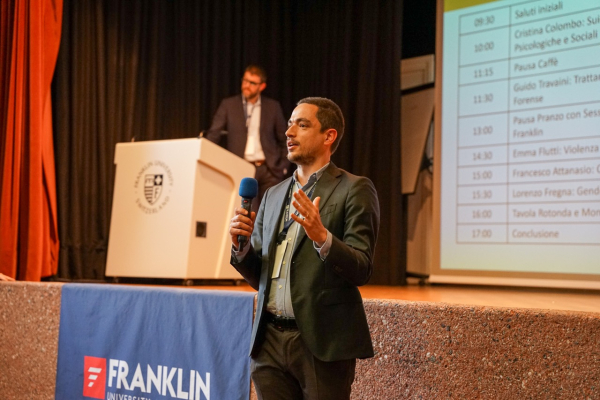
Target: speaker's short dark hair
x: 329, y: 115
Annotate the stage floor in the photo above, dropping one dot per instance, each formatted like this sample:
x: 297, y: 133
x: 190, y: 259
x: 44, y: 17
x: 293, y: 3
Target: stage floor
x: 553, y: 299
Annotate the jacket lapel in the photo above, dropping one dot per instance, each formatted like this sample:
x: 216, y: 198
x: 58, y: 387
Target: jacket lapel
x: 240, y: 116
x: 272, y: 217
x: 263, y: 117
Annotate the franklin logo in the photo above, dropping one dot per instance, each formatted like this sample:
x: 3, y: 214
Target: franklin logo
x: 153, y: 187
x: 94, y: 377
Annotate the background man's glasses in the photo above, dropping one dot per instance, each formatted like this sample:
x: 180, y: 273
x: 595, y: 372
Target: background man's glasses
x: 250, y: 82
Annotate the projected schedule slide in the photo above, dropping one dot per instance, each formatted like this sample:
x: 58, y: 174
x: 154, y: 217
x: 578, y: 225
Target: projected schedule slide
x: 528, y: 117
x: 521, y: 91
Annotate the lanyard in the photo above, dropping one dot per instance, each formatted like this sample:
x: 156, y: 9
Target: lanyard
x: 311, y: 184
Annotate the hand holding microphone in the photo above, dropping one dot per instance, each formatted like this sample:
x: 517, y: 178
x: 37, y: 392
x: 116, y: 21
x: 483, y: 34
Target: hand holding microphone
x: 242, y: 223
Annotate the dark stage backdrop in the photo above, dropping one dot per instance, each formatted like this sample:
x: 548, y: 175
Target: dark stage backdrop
x: 157, y: 69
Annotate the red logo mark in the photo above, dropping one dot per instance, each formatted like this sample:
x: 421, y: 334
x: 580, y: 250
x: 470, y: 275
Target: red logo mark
x: 94, y: 377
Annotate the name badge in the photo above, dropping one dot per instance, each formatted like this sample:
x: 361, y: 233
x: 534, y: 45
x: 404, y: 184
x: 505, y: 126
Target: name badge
x: 279, y: 255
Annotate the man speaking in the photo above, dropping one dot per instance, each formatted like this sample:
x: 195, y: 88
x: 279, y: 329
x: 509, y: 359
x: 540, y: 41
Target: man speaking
x: 311, y: 246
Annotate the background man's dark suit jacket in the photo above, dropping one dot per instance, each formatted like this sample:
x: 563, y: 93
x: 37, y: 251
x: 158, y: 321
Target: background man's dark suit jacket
x: 230, y: 117
x: 326, y: 301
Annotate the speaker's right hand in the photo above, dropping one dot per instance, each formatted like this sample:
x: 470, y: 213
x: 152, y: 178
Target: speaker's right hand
x: 241, y: 224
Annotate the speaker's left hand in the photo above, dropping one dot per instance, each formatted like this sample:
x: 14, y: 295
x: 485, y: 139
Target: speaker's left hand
x: 309, y: 217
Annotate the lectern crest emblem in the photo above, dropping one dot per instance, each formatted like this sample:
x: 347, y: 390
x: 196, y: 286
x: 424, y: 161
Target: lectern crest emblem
x: 153, y: 184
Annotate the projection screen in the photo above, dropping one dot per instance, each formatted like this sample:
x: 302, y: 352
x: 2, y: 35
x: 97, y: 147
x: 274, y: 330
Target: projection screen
x: 517, y: 149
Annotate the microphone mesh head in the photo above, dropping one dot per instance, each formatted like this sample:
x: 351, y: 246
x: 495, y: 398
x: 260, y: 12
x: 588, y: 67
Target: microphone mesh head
x: 248, y: 188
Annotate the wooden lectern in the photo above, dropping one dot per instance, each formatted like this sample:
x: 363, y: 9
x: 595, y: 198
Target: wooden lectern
x: 173, y: 201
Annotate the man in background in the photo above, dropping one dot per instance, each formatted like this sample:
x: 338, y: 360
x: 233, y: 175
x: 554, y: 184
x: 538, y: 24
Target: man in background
x: 255, y: 128
x: 311, y: 246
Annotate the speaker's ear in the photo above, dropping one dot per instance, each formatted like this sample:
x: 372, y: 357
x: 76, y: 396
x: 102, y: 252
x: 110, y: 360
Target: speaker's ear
x: 330, y: 136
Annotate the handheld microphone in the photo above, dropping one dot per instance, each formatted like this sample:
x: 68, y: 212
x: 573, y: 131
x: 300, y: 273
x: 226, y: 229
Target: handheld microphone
x: 248, y: 191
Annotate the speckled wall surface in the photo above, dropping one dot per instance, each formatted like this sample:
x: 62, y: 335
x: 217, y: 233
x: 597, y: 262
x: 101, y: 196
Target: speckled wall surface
x: 29, y: 317
x: 423, y: 350
x: 441, y: 351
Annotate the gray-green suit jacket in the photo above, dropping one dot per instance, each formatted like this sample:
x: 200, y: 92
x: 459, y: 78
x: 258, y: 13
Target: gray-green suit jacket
x: 326, y: 301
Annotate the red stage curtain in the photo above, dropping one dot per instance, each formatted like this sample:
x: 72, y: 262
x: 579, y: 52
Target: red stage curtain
x: 29, y: 40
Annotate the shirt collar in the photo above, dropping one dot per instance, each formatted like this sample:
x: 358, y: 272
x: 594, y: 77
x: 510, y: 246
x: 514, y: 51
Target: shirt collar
x: 318, y: 173
x: 245, y: 102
